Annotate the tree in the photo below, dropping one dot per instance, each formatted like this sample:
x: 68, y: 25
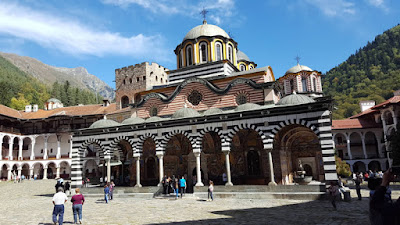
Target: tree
x: 20, y: 103
x: 342, y: 168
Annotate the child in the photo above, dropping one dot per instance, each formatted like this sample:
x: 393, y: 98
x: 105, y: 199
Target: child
x: 106, y: 192
x: 210, y: 191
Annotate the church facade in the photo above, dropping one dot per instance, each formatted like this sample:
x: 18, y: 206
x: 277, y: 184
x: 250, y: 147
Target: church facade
x: 216, y: 114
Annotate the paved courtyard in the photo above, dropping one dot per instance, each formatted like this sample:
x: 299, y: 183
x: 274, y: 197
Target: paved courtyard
x: 30, y: 203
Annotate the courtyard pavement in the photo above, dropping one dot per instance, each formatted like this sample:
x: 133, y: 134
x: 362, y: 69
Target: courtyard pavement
x: 30, y: 202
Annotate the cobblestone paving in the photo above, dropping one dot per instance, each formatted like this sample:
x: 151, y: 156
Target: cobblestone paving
x: 30, y: 203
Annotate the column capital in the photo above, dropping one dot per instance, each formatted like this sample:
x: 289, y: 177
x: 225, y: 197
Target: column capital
x: 197, y: 154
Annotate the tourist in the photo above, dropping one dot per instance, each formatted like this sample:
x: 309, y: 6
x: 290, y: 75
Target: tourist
x: 87, y: 182
x: 170, y: 185
x: 366, y: 176
x: 58, y: 201
x: 210, y: 191
x: 382, y: 211
x: 182, y: 184
x: 111, y: 185
x: 164, y: 183
x: 358, y: 187
x: 59, y: 185
x: 67, y: 188
x: 106, y: 192
x: 77, y: 202
x: 333, y: 192
x: 176, y: 188
x: 224, y: 178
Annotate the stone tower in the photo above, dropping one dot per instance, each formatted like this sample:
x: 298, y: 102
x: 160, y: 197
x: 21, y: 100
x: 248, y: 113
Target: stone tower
x: 133, y: 79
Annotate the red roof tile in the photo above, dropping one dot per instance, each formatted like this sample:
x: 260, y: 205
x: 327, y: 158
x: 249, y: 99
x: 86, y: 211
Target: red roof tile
x: 7, y: 111
x: 353, y: 124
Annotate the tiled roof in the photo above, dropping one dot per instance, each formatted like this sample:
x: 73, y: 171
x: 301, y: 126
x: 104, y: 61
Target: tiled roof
x: 353, y: 124
x: 365, y: 112
x: 68, y: 111
x: 4, y: 110
x: 392, y: 100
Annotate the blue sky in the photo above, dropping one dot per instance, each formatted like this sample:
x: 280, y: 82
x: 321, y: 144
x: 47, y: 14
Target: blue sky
x: 102, y: 35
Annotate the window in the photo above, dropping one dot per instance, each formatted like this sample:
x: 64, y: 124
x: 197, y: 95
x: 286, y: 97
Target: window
x: 130, y: 80
x: 161, y: 80
x: 218, y: 51
x: 314, y: 84
x: 137, y: 79
x: 242, y: 67
x: 241, y: 99
x: 195, y: 97
x: 203, y: 52
x: 180, y: 59
x: 124, y: 101
x: 304, y: 83
x: 144, y: 77
x: 124, y: 82
x: 153, y: 111
x: 251, y: 67
x: 291, y: 82
x: 189, y: 56
x: 156, y: 78
x: 230, y: 53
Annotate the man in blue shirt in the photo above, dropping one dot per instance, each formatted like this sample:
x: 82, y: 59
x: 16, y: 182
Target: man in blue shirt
x: 182, y: 185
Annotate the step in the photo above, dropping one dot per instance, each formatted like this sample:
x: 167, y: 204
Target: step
x: 265, y: 195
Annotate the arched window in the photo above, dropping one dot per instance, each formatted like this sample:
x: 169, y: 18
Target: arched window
x: 203, y: 52
x: 251, y: 67
x: 230, y: 53
x: 242, y: 67
x: 189, y: 56
x: 314, y: 84
x: 180, y: 63
x: 291, y: 86
x: 304, y: 83
x: 124, y: 101
x: 218, y: 51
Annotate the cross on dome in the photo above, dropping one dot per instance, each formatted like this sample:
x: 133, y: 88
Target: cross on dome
x: 204, y: 13
x: 297, y: 59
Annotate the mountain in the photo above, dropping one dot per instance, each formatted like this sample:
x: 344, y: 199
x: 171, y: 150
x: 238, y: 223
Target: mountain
x: 77, y: 77
x: 372, y: 73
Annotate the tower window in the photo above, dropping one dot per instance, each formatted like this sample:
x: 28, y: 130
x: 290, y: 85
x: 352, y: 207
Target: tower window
x: 242, y: 67
x: 291, y: 86
x: 195, y: 97
x: 137, y: 79
x: 144, y: 77
x: 203, y: 52
x: 161, y: 80
x: 189, y: 55
x: 180, y: 59
x: 124, y: 101
x: 314, y: 84
x: 130, y: 80
x: 304, y: 84
x: 218, y: 51
x: 230, y: 53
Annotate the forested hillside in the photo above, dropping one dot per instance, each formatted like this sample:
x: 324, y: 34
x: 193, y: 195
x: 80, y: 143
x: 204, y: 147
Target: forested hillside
x: 18, y: 89
x: 372, y: 73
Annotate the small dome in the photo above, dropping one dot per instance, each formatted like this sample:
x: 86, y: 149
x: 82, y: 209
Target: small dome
x: 185, y: 112
x: 133, y: 120
x: 298, y: 68
x: 153, y: 119
x: 104, y: 123
x: 247, y: 106
x: 241, y: 56
x: 54, y: 100
x: 212, y: 111
x: 295, y: 99
x: 207, y: 30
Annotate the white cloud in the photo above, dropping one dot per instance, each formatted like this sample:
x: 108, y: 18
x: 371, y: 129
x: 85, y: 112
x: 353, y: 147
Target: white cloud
x: 73, y: 37
x: 378, y: 4
x: 219, y: 10
x: 333, y: 8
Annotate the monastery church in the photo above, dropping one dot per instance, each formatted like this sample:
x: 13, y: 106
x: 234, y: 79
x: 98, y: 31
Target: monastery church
x: 216, y: 114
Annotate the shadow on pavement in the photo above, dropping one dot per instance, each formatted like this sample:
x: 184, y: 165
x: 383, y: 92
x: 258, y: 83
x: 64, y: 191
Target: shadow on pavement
x: 313, y: 212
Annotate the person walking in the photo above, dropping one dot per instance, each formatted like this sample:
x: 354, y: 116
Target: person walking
x: 358, y: 187
x: 106, y: 192
x: 176, y: 188
x: 182, y: 184
x: 59, y: 199
x: 67, y: 187
x: 210, y: 191
x: 164, y: 184
x: 333, y: 192
x: 77, y: 203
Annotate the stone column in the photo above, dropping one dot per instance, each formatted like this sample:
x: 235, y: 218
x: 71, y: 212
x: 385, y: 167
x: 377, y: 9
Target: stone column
x: 9, y: 173
x: 161, y: 167
x: 271, y: 168
x: 19, y: 172
x: 198, y: 169
x: 138, y: 172
x: 70, y: 148
x: 108, y: 169
x: 45, y: 173
x: 1, y: 147
x: 33, y: 149
x: 394, y: 118
x: 30, y: 173
x: 20, y: 143
x: 363, y: 146
x: 228, y: 169
x: 58, y: 172
x: 10, y: 148
x: 45, y: 147
x: 58, y: 155
x: 348, y: 146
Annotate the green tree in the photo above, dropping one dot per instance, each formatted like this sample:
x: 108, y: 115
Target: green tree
x: 20, y: 103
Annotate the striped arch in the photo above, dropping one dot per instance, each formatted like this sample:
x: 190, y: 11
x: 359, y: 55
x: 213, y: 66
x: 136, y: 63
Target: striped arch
x: 167, y: 137
x: 199, y: 139
x: 281, y: 125
x: 143, y: 138
x: 103, y: 150
x: 267, y: 142
x: 114, y: 144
